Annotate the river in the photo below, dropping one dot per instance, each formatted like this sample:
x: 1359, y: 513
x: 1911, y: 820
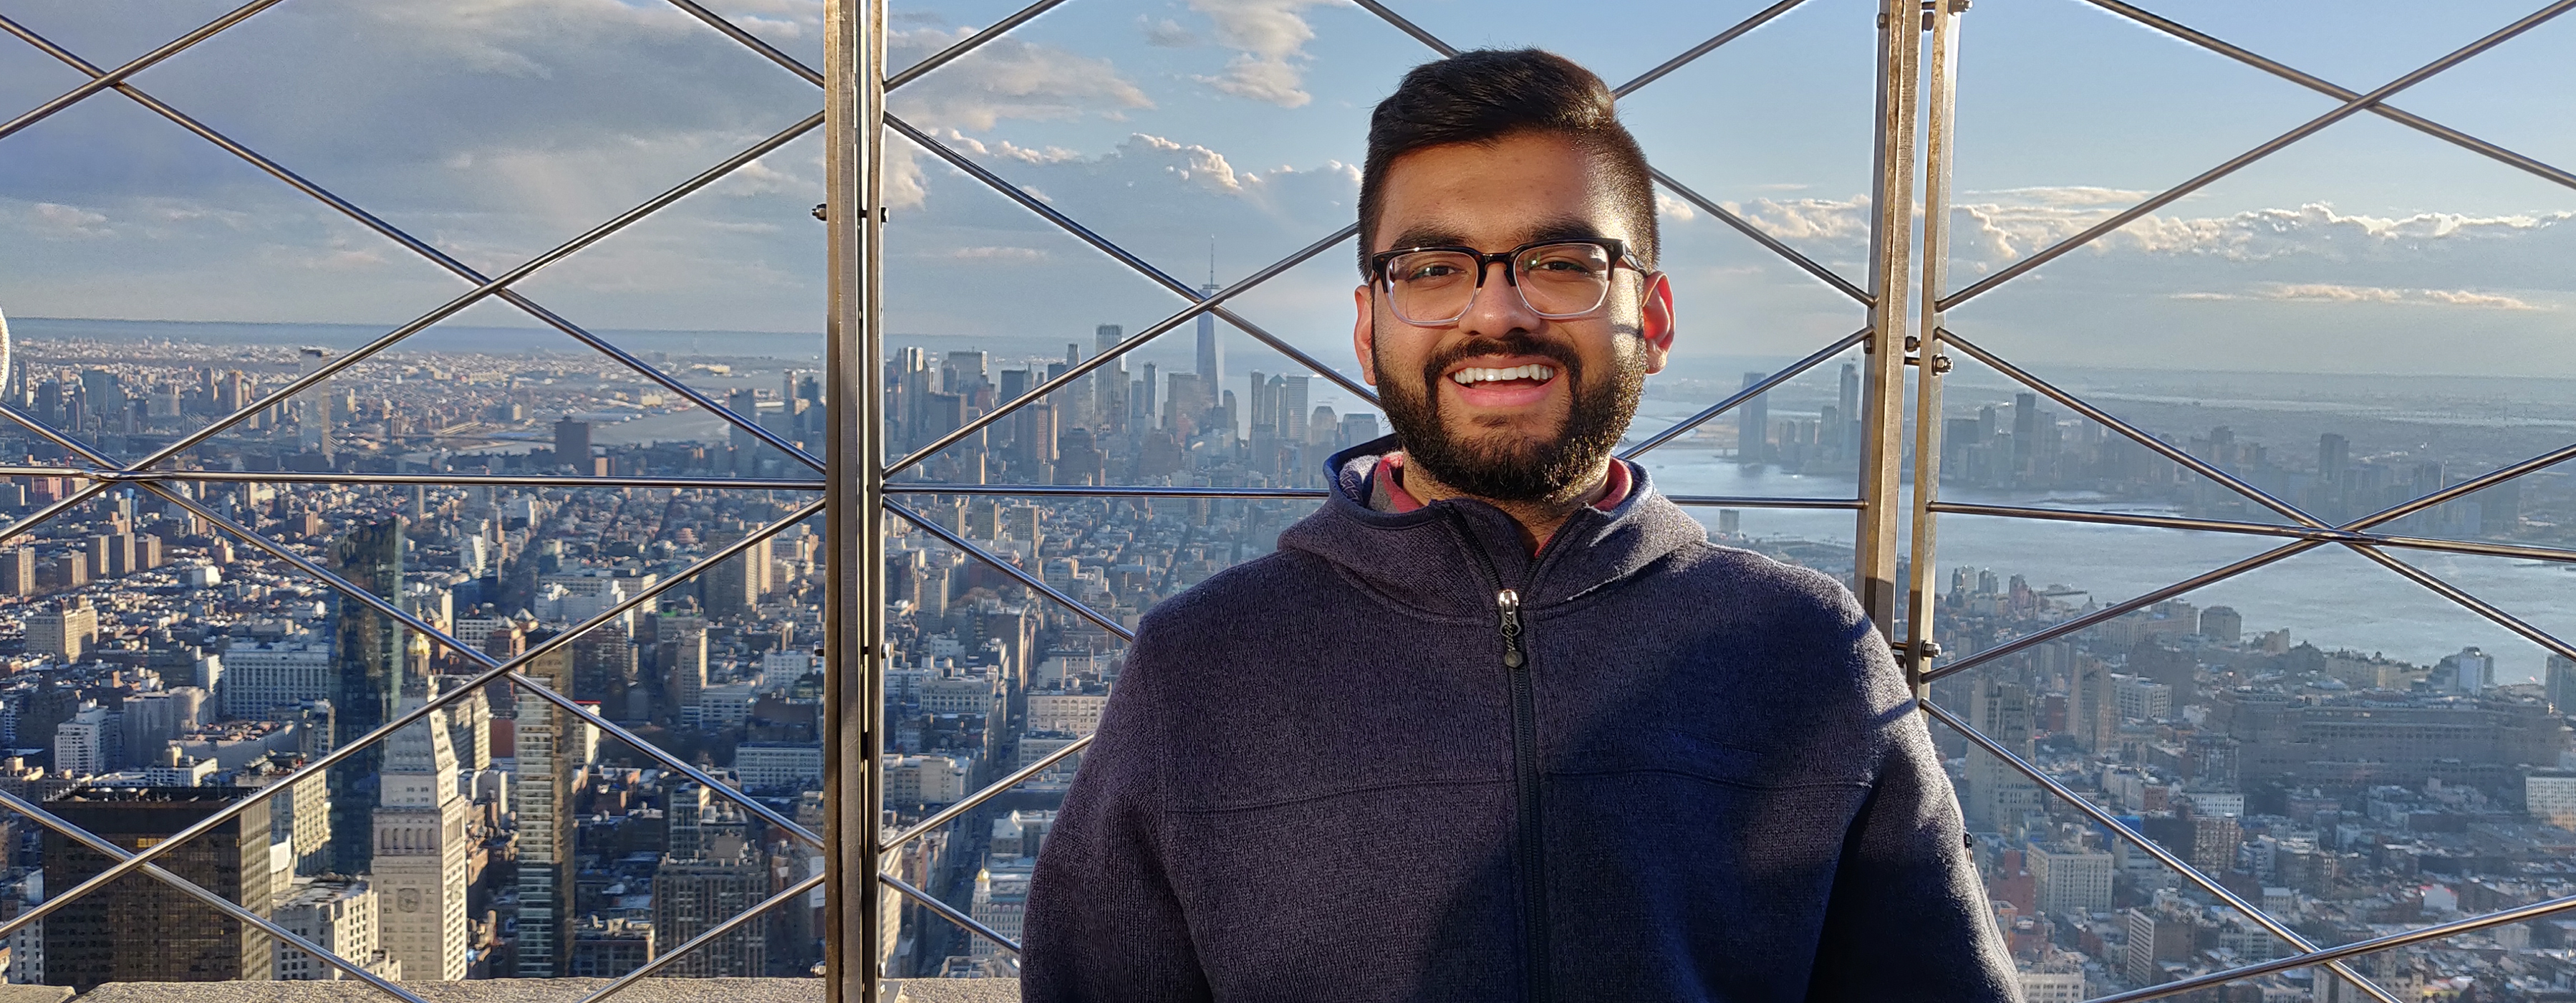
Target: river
x: 2332, y: 596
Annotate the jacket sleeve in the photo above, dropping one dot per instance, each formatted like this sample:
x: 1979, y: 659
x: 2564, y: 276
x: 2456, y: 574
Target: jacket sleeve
x: 1909, y: 918
x: 1104, y: 924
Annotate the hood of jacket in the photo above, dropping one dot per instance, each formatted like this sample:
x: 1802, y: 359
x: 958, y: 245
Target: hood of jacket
x: 1449, y: 557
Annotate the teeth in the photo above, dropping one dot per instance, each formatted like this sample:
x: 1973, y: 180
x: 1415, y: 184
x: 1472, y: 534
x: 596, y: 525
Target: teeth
x: 1471, y: 376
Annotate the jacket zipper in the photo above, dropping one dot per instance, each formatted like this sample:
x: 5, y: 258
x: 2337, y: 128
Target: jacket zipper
x: 1533, y: 865
x: 1528, y: 859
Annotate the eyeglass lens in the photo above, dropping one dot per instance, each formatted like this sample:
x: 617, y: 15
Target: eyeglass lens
x: 1555, y: 280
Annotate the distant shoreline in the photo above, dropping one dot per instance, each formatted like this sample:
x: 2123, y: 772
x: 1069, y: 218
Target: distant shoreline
x: 1171, y: 349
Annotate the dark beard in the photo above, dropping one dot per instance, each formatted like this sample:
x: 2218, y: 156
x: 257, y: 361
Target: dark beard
x: 1546, y: 471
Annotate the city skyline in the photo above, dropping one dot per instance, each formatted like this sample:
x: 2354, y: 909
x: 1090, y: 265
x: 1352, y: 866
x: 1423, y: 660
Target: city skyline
x: 2365, y: 317
x: 1038, y: 685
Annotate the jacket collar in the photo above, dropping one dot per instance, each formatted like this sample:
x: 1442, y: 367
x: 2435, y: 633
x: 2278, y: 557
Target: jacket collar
x: 1423, y: 558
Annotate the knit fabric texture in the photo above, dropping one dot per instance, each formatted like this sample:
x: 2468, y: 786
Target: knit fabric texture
x: 1317, y: 780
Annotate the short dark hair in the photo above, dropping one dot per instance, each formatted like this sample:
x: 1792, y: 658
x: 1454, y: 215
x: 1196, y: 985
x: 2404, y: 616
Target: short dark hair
x: 1485, y: 95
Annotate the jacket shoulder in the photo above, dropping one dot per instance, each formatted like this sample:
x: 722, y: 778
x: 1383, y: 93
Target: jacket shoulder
x: 1244, y: 590
x: 1787, y: 615
x: 1750, y: 580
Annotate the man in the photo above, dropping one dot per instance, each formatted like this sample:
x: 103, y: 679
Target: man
x: 1498, y: 722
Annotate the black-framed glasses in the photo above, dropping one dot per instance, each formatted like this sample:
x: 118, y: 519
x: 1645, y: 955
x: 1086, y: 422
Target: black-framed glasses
x: 1556, y: 279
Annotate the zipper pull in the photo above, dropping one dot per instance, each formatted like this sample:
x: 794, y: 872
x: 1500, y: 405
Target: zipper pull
x: 1509, y: 602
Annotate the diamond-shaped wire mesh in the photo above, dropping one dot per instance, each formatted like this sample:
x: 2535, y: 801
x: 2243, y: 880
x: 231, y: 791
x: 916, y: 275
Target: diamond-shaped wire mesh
x: 965, y: 539
x: 368, y: 618
x: 990, y: 439
x: 2096, y: 688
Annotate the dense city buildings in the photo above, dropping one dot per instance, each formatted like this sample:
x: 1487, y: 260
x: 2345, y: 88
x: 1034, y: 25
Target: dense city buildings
x: 494, y: 836
x: 146, y: 648
x: 2349, y: 794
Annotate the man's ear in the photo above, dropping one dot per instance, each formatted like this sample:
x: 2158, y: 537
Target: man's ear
x: 1364, y: 334
x: 1655, y: 323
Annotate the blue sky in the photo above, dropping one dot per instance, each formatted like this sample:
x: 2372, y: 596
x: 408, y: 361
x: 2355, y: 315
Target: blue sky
x: 497, y: 128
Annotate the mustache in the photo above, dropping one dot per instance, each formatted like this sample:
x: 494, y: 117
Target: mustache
x: 1512, y: 343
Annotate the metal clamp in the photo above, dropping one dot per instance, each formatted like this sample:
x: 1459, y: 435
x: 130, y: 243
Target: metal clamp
x: 1934, y: 8
x: 821, y: 212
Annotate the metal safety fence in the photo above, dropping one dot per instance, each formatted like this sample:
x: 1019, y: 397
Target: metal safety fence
x: 1904, y: 297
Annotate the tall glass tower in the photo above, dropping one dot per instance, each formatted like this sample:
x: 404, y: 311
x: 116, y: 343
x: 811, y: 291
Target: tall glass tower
x: 1211, y: 354
x: 366, y: 680
x: 546, y: 750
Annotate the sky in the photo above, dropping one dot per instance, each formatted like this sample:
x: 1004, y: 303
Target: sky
x: 1233, y: 129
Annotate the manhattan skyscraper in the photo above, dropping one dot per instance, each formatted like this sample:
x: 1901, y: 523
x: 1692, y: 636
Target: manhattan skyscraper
x: 367, y: 667
x: 421, y: 849
x: 1211, y: 354
x: 546, y: 770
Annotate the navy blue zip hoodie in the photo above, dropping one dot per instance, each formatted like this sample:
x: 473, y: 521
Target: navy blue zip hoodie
x: 1402, y: 758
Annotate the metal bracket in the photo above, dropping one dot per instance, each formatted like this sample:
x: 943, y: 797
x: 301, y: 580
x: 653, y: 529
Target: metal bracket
x: 821, y: 213
x: 1934, y: 8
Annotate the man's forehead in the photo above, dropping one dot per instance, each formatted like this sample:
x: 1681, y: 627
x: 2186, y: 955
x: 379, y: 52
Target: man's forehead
x: 1500, y: 194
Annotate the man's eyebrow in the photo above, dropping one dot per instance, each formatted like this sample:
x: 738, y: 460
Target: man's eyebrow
x: 1567, y: 228
x: 1424, y: 236
x: 1563, y: 228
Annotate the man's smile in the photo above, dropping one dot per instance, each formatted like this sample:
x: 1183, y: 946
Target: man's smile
x: 1494, y: 382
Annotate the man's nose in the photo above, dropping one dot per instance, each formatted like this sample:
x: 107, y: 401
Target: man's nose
x: 1498, y: 307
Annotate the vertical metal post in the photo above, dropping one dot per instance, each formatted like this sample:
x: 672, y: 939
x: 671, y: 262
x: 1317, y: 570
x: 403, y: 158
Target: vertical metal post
x: 1930, y: 364
x: 1890, y: 244
x: 854, y: 630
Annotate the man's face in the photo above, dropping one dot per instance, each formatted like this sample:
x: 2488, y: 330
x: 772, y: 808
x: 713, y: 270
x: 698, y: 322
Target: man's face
x: 1526, y: 439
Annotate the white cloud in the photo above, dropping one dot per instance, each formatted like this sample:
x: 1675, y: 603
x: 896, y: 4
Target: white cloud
x: 340, y: 256
x: 494, y: 129
x: 1140, y: 178
x: 1188, y: 162
x: 517, y: 123
x: 1003, y: 78
x: 55, y: 221
x: 1269, y: 38
x: 2463, y: 297
x: 998, y: 254
x: 1157, y: 196
x: 2329, y: 292
x: 770, y: 175
x: 2068, y: 195
x: 2308, y: 244
x: 1030, y: 155
x: 1808, y: 221
x: 1169, y: 34
x: 2002, y: 231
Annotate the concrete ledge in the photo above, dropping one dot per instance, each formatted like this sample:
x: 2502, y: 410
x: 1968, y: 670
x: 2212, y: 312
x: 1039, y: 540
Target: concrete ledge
x: 957, y: 991
x: 514, y: 991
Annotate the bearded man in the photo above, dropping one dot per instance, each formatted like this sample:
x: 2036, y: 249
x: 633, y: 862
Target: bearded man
x: 1498, y: 722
